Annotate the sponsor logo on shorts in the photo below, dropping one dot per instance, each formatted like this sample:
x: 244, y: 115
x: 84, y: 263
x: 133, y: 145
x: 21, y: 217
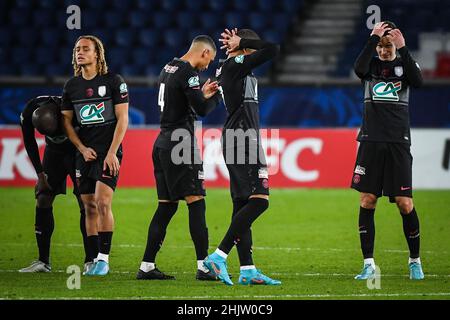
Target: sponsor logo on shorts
x: 360, y: 170
x: 77, y: 173
x: 265, y: 183
x: 263, y: 173
x: 404, y: 188
x: 356, y: 178
x: 201, y: 175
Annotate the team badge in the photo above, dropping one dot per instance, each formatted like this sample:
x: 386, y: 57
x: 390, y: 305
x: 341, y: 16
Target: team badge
x: 239, y: 58
x: 194, y: 81
x: 398, y: 70
x: 123, y: 88
x: 102, y: 91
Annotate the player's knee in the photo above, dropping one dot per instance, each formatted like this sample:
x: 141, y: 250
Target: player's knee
x: 368, y: 201
x: 44, y: 201
x: 90, y: 207
x: 191, y: 199
x: 405, y: 205
x: 103, y: 205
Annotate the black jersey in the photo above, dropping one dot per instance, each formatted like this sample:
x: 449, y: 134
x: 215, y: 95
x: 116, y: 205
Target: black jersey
x: 180, y: 100
x: 386, y: 94
x: 239, y: 87
x: 58, y: 142
x: 93, y: 102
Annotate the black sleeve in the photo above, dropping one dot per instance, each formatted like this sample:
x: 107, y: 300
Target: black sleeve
x: 411, y: 67
x: 265, y: 52
x: 362, y: 63
x: 119, y: 90
x: 190, y: 83
x: 28, y: 135
x: 66, y: 103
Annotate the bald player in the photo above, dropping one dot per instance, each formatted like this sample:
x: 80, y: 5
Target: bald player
x: 181, y: 98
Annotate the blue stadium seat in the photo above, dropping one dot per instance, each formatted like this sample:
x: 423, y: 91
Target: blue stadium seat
x: 43, y: 18
x: 20, y: 55
x: 281, y: 21
x: 149, y: 37
x: 262, y: 70
x: 91, y: 19
x: 105, y: 35
x: 131, y: 70
x: 43, y: 56
x: 194, y: 6
x: 291, y: 5
x: 174, y: 38
x: 125, y: 37
x: 55, y: 69
x: 211, y: 20
x: 121, y: 5
x: 19, y: 18
x: 8, y: 70
x: 30, y: 70
x: 171, y: 6
x: 72, y: 36
x: 257, y: 20
x: 272, y: 36
x: 243, y: 6
x: 27, y: 37
x: 47, y: 4
x: 139, y: 19
x: 5, y: 37
x: 25, y: 4
x: 192, y: 33
x: 218, y: 5
x: 148, y: 5
x: 70, y: 2
x: 142, y: 56
x: 114, y: 19
x: 65, y: 56
x: 162, y: 20
x: 152, y: 70
x: 234, y: 20
x: 97, y: 4
x: 118, y: 55
x: 267, y: 5
x: 186, y: 20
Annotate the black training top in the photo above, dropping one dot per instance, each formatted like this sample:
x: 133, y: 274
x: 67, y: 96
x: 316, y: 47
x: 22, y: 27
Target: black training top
x: 386, y: 94
x: 93, y: 102
x: 180, y: 100
x: 239, y: 87
x: 59, y: 142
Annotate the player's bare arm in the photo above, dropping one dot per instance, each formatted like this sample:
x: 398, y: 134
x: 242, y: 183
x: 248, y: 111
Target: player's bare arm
x: 89, y: 154
x: 111, y: 161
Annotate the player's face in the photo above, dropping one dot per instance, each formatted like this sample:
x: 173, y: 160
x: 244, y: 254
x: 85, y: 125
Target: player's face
x: 386, y: 49
x: 85, y: 53
x: 208, y: 56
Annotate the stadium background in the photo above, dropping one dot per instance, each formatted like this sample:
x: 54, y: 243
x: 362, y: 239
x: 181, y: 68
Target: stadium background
x: 309, y: 92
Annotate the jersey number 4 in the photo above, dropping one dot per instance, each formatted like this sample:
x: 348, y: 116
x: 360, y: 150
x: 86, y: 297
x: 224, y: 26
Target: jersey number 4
x: 162, y: 87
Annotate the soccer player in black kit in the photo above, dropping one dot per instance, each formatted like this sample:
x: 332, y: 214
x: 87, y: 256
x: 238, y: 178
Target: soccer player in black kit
x: 384, y: 162
x: 243, y: 152
x: 181, y: 98
x: 99, y: 101
x: 44, y: 114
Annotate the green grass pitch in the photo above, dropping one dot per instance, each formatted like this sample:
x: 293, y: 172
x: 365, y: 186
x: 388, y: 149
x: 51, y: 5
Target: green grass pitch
x: 307, y: 238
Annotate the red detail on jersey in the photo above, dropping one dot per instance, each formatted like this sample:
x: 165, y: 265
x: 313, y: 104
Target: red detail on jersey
x: 89, y: 92
x: 123, y: 96
x: 265, y: 183
x: 356, y: 178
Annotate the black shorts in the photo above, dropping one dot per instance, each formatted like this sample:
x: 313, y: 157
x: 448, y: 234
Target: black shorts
x: 248, y: 178
x: 176, y: 181
x: 383, y: 169
x: 58, y: 165
x: 88, y: 173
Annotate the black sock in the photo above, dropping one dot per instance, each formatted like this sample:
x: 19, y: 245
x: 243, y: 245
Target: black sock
x: 244, y: 242
x: 157, y: 229
x: 84, y: 235
x: 198, y: 228
x: 242, y: 221
x: 412, y: 233
x: 367, y: 231
x: 44, y: 225
x: 104, y: 242
x: 92, y: 243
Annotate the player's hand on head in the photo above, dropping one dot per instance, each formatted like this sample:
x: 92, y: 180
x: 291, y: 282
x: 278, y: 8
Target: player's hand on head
x: 209, y: 88
x: 42, y: 185
x: 112, y: 163
x: 380, y: 28
x: 230, y: 40
x: 396, y: 38
x: 89, y: 154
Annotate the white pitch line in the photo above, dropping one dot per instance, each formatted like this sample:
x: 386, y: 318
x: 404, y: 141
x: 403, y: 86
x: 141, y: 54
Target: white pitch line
x: 362, y: 295
x: 125, y: 245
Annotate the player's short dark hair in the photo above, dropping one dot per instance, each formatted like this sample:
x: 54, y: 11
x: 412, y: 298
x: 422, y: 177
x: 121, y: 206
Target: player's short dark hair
x: 248, y: 34
x: 46, y: 118
x: 205, y: 39
x: 391, y: 25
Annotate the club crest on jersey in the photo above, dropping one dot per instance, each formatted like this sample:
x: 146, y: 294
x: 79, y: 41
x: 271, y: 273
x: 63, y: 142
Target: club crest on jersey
x: 194, y: 81
x: 92, y: 113
x: 239, y: 58
x: 386, y: 91
x: 123, y: 88
x: 102, y: 91
x: 398, y: 70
